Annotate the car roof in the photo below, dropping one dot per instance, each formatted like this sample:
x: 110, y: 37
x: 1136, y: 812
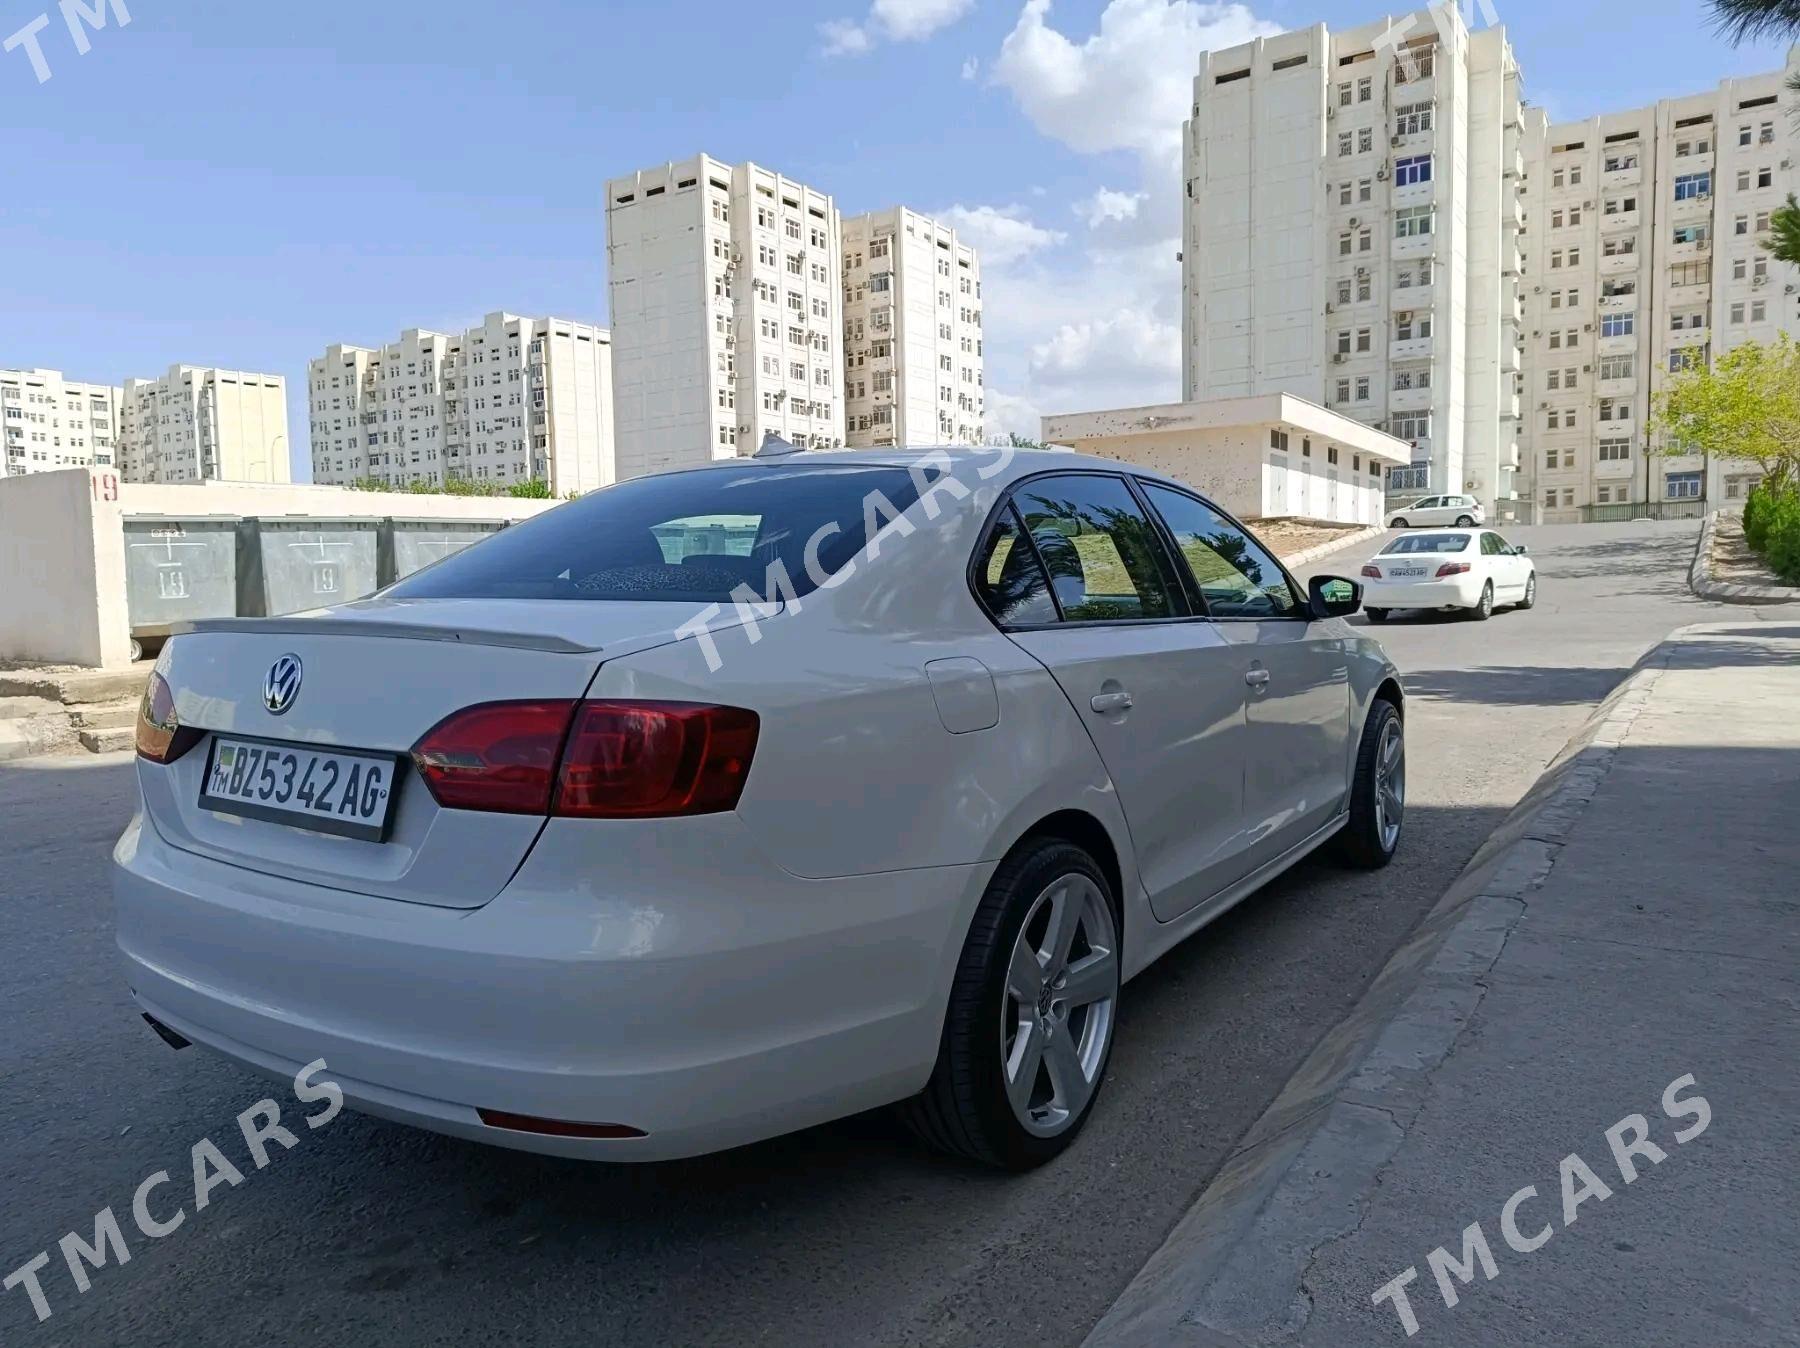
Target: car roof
x: 1023, y: 463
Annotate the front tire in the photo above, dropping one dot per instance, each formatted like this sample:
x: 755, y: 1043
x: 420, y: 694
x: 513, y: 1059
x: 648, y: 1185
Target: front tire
x: 1033, y: 1005
x: 1530, y: 591
x: 1484, y: 607
x: 1399, y: 522
x: 1377, y: 791
x: 1377, y: 615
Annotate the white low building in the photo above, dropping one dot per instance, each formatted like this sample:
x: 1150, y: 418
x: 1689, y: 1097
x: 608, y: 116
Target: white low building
x: 1265, y: 456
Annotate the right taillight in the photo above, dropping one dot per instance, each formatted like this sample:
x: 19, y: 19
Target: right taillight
x: 590, y: 760
x: 1452, y: 569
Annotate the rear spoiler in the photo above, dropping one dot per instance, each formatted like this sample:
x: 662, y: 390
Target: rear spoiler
x: 382, y: 627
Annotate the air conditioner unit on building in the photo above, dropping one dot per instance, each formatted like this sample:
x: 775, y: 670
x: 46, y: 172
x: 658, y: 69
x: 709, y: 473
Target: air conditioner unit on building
x: 1759, y: 281
x: 1328, y: 306
x: 1338, y: 357
x: 1354, y: 222
x: 1393, y: 140
x: 1330, y: 111
x: 1382, y: 173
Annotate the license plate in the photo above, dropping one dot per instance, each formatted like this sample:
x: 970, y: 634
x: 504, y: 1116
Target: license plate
x: 1406, y: 571
x: 326, y: 790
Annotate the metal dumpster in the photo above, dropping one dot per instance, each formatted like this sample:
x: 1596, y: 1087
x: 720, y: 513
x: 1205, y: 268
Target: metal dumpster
x: 177, y: 569
x: 286, y: 565
x: 407, y: 545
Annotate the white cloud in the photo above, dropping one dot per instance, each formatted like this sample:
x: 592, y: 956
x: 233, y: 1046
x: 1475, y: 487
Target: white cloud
x: 1098, y: 324
x: 1003, y: 235
x: 1127, y: 87
x: 971, y: 68
x: 894, y: 21
x: 1107, y: 204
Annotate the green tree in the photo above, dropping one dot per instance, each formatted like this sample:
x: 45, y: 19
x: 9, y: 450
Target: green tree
x: 1759, y: 20
x: 532, y: 489
x: 1746, y: 405
x: 1784, y: 229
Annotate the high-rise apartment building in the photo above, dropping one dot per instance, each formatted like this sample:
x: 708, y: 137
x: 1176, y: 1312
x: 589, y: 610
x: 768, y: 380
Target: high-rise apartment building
x: 510, y: 400
x: 1648, y: 253
x: 49, y: 422
x: 725, y: 284
x: 1352, y: 236
x: 198, y: 423
x: 912, y: 332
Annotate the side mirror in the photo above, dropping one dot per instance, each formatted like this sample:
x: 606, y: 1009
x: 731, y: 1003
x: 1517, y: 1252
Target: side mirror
x: 1334, y: 597
x: 1520, y: 550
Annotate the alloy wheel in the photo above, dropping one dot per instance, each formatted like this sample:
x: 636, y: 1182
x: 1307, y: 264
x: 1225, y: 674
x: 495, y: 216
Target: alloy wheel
x: 1056, y: 1018
x: 1390, y: 784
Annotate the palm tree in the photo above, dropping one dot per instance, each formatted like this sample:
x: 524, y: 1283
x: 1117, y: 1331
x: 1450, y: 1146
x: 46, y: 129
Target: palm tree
x: 1784, y: 228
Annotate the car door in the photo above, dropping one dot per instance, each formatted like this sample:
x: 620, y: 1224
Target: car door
x: 1511, y: 570
x: 1159, y: 691
x: 1423, y: 511
x: 1296, y: 672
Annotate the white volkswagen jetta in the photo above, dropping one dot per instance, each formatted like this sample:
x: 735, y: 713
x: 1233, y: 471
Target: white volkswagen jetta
x: 1468, y: 569
x: 728, y: 801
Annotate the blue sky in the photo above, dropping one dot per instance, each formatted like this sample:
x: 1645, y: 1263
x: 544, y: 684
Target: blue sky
x: 245, y: 189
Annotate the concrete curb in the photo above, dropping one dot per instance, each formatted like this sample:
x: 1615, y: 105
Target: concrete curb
x: 1233, y: 1271
x: 1701, y: 582
x: 1318, y: 550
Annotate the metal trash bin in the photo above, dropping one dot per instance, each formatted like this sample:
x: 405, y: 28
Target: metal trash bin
x: 178, y: 570
x: 286, y: 565
x: 409, y: 545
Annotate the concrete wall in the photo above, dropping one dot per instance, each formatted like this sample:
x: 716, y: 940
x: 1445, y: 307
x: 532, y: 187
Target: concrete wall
x: 62, y: 547
x: 54, y: 566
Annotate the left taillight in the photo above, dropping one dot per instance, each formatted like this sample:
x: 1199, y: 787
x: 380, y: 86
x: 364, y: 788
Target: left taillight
x: 590, y: 760
x: 161, y: 737
x: 1372, y: 571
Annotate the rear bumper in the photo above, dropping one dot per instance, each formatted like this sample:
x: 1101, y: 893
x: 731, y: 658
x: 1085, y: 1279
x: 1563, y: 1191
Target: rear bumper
x: 1462, y: 591
x: 720, y: 1002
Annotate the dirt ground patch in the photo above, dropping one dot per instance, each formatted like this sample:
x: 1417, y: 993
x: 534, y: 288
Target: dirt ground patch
x: 1285, y: 537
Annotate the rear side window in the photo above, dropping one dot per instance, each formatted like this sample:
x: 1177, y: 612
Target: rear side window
x: 693, y: 536
x: 1416, y: 543
x: 1102, y: 553
x: 1010, y: 579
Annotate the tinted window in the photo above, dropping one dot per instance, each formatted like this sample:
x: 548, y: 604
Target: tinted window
x: 678, y: 536
x: 1010, y: 579
x: 1411, y: 543
x: 1236, y: 577
x: 1103, y: 555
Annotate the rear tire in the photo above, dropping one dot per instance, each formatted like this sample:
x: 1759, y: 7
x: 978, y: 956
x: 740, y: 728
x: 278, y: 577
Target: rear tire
x: 1377, y: 792
x: 1019, y: 1067
x: 1484, y: 607
x: 1464, y: 522
x: 1399, y: 522
x: 1377, y: 615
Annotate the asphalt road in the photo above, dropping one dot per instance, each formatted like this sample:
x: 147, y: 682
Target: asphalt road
x: 847, y: 1234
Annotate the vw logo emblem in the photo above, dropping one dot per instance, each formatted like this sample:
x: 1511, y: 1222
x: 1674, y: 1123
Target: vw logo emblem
x: 283, y: 684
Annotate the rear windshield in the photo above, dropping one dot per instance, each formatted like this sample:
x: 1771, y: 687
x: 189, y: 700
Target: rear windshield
x: 1426, y: 543
x: 693, y: 536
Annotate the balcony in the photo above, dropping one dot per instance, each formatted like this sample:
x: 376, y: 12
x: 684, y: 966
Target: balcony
x: 1415, y: 399
x: 1613, y: 469
x: 1411, y: 348
x: 1412, y: 247
x: 1619, y: 264
x: 1625, y: 300
x: 1411, y: 297
x: 1622, y: 177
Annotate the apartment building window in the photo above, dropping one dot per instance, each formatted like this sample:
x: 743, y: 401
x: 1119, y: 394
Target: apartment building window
x: 1413, y: 222
x: 1343, y: 391
x: 1344, y: 144
x: 1415, y: 63
x: 1365, y: 89
x: 1412, y: 170
x: 1626, y: 159
x: 1758, y: 311
x: 1365, y: 241
x: 1345, y: 188
x: 1737, y: 312
x: 1362, y: 389
x: 1362, y: 339
x: 1686, y: 358
x: 1344, y: 94
x: 1622, y: 246
x: 1689, y: 274
x: 1689, y: 234
x: 1553, y: 380
x: 1762, y: 222
x: 1693, y: 186
x: 1278, y: 440
x: 1619, y: 205
x: 881, y: 283
x: 1556, y: 258
x: 1412, y: 118
x: 1618, y: 325
x: 1412, y: 376
x: 1413, y: 426
x: 1362, y: 290
x: 1682, y: 486
x: 1365, y: 188
x: 1614, y: 450
x: 1611, y: 409
x: 1765, y: 177
x: 1616, y: 367
x: 1343, y: 342
x: 1365, y: 139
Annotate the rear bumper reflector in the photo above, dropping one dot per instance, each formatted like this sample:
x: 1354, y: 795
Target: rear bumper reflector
x: 526, y: 1123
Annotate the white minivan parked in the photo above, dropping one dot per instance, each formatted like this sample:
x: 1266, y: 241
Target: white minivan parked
x: 1462, y: 511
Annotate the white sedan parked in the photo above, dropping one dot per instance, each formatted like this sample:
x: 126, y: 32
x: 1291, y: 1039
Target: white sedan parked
x: 1464, y: 511
x: 1469, y: 569
x: 728, y: 801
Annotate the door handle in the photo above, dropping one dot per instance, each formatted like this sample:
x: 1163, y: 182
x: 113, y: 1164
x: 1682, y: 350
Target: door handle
x: 1105, y: 702
x: 1257, y: 678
